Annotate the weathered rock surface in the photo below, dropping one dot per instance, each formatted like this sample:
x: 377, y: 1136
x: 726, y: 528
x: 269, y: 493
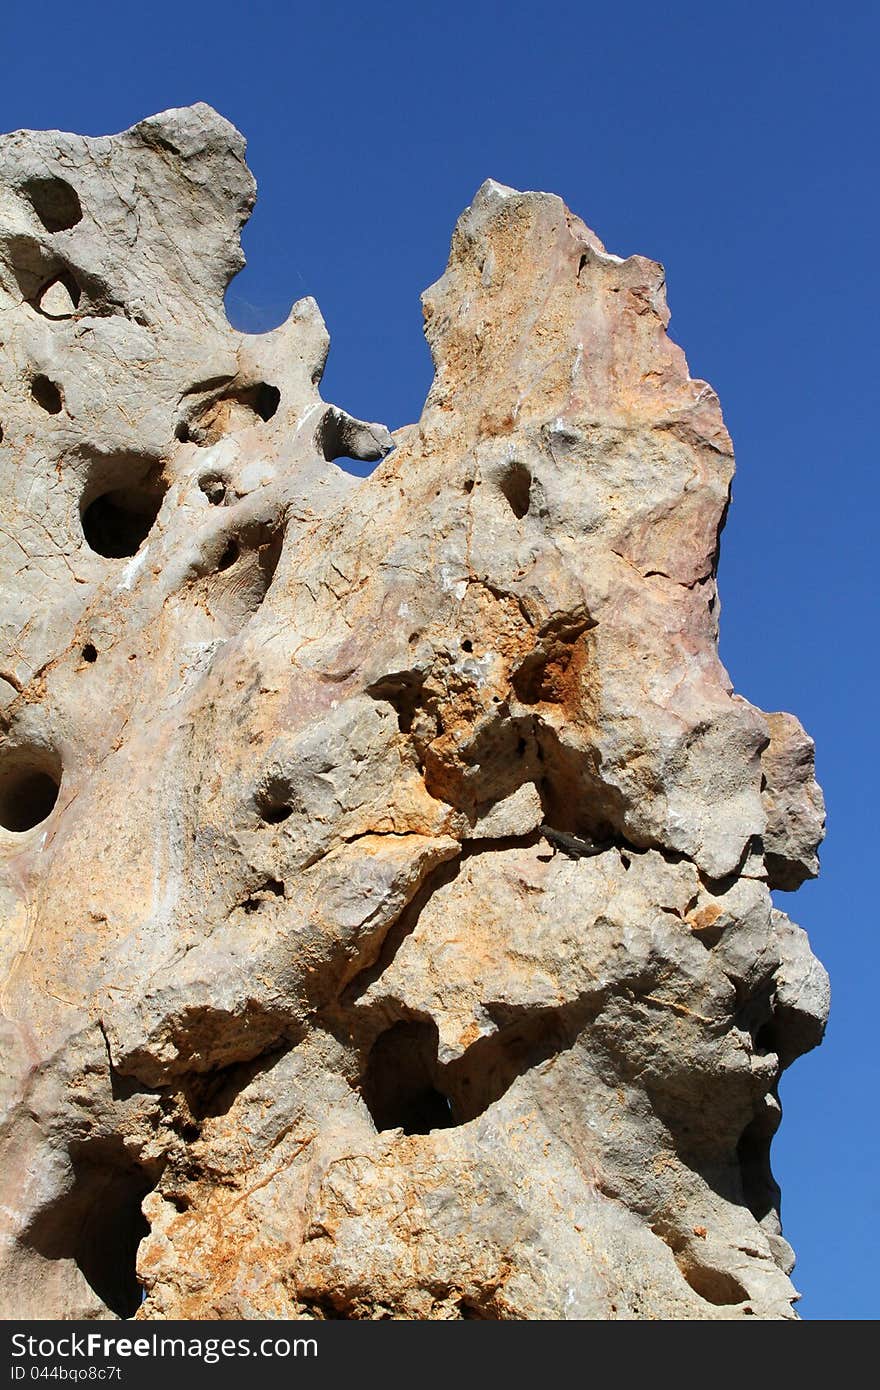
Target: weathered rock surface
x: 386, y: 863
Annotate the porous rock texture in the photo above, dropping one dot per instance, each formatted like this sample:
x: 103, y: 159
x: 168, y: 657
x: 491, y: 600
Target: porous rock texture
x: 387, y: 862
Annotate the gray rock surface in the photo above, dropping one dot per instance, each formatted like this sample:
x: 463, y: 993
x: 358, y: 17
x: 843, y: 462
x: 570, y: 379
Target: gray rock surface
x: 386, y: 864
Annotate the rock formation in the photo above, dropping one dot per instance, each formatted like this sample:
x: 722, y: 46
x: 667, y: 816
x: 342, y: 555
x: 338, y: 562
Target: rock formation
x: 386, y: 863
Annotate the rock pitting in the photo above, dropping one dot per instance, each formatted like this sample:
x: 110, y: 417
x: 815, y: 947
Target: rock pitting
x: 386, y: 862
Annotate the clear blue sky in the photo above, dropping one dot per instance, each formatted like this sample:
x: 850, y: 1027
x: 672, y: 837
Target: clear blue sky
x: 735, y: 142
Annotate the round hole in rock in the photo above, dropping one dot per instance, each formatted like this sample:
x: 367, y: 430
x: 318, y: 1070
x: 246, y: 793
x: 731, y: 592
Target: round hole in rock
x: 273, y: 801
x: 89, y: 652
x: 117, y: 522
x: 263, y: 399
x: 467, y: 645
x: 30, y: 779
x: 46, y: 394
x: 55, y: 202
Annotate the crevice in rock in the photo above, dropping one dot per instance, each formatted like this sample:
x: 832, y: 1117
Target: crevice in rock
x: 573, y: 793
x: 578, y: 847
x: 525, y: 1038
x: 203, y: 1039
x: 97, y: 1221
x: 716, y: 1286
x: 122, y: 1087
x: 324, y: 1307
x: 507, y: 750
x: 761, y: 1192
x: 469, y: 1310
x: 710, y: 1283
x: 404, y: 926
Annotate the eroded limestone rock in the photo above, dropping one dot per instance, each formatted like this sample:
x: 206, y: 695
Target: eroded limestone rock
x: 386, y: 863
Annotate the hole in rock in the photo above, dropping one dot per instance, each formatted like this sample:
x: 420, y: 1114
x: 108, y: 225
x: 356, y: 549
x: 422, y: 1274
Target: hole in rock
x: 525, y: 1039
x: 516, y: 484
x: 766, y: 1038
x: 242, y: 575
x: 350, y: 443
x: 89, y: 652
x: 30, y: 779
x: 405, y: 1087
x: 98, y: 1222
x: 59, y: 299
x: 274, y: 801
x: 46, y: 394
x: 714, y: 1285
x: 54, y: 201
x: 760, y: 1189
x: 271, y: 889
x: 467, y: 645
x: 403, y: 692
x: 214, y: 488
x: 575, y: 796
x: 230, y: 555
x: 399, y: 1086
x: 236, y: 410
x: 326, y: 1307
x: 357, y: 468
x: 117, y: 520
x: 552, y: 672
x: 469, y: 1310
x: 264, y: 400
x: 213, y: 1093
